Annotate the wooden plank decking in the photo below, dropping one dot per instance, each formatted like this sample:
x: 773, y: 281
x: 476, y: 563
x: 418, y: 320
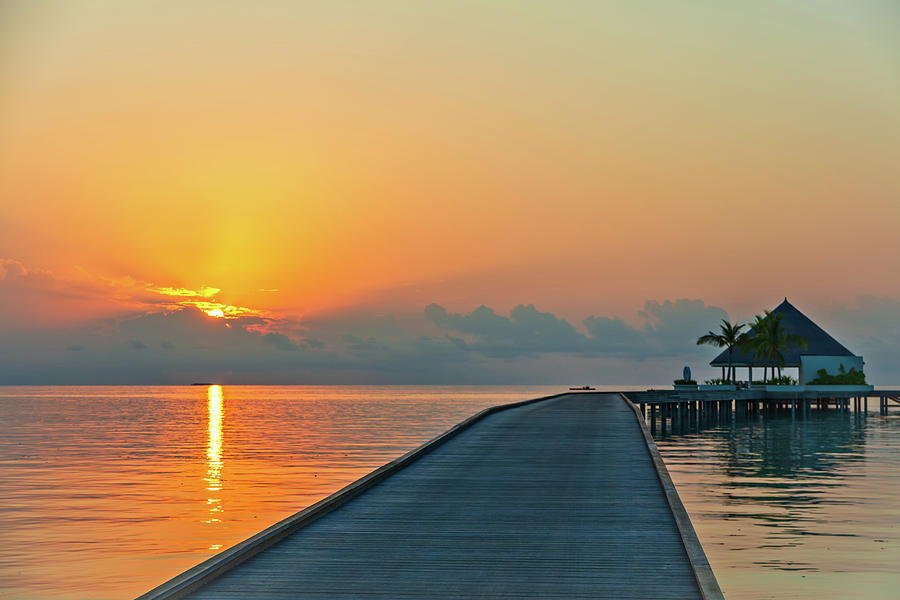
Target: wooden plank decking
x: 554, y: 499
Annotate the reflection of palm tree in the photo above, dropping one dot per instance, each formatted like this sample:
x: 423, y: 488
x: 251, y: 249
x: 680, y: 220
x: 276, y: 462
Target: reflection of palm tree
x: 769, y: 340
x: 729, y: 337
x: 766, y: 461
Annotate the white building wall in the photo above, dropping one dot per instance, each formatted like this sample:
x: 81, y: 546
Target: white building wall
x: 810, y: 365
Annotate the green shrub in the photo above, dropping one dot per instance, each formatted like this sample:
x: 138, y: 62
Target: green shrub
x: 717, y: 381
x: 684, y: 382
x: 783, y: 380
x: 844, y: 377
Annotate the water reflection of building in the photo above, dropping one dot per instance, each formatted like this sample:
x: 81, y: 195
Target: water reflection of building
x: 788, y: 461
x: 780, y: 447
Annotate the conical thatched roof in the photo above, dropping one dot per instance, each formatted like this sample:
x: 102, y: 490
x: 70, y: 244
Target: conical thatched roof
x: 819, y: 342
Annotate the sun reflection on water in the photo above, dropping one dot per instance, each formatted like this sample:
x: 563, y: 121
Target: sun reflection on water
x: 214, y: 463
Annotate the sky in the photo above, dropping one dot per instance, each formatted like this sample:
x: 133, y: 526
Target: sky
x: 456, y: 192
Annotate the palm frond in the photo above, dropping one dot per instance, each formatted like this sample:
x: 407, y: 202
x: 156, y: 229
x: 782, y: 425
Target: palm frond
x: 712, y: 339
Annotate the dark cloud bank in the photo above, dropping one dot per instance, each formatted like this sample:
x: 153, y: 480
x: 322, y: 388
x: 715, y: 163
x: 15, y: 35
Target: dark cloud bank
x: 481, y: 347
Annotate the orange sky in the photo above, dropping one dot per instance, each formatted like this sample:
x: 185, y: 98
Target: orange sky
x: 584, y: 158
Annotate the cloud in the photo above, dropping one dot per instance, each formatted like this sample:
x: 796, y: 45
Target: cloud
x: 673, y: 327
x: 14, y: 272
x: 203, y: 292
x: 526, y: 345
x: 615, y: 336
x: 42, y: 297
x: 871, y: 328
x: 669, y: 328
x: 185, y: 345
x: 527, y: 331
x: 870, y: 315
x: 280, y: 341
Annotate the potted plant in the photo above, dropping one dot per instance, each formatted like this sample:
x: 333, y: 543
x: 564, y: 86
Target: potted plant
x: 717, y: 385
x: 685, y: 384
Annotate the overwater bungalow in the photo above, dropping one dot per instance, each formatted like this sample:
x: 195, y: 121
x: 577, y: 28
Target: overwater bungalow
x: 822, y: 352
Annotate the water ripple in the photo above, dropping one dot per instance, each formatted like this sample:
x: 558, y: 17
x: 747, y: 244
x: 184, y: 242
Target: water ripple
x: 106, y: 492
x: 794, y: 508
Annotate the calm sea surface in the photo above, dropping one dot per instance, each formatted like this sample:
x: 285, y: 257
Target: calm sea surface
x: 106, y: 492
x: 795, y: 508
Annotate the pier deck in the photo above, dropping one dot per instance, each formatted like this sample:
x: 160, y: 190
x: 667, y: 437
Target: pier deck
x: 705, y: 404
x: 560, y: 498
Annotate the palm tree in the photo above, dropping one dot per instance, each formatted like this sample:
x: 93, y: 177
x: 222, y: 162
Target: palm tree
x: 768, y: 340
x: 730, y: 336
x: 753, y: 341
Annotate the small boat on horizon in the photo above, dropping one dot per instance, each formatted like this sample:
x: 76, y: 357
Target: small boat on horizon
x: 202, y: 383
x: 584, y: 388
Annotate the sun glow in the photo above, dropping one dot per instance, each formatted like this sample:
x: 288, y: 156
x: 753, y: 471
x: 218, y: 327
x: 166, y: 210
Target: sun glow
x: 220, y: 310
x: 203, y: 299
x: 204, y: 292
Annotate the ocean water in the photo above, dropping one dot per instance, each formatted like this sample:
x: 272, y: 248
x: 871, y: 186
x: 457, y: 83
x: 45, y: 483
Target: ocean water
x: 794, y: 508
x: 105, y: 492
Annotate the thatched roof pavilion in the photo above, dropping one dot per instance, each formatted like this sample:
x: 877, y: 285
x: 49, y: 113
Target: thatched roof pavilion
x: 822, y: 352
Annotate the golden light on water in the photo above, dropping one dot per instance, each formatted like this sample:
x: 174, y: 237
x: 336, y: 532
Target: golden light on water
x: 214, y: 463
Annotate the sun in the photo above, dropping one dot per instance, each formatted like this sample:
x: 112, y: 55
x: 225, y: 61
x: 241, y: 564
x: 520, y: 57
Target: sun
x: 216, y: 312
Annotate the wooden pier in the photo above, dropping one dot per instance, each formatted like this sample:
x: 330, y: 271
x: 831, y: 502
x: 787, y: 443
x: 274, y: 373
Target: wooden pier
x: 561, y: 497
x: 670, y: 407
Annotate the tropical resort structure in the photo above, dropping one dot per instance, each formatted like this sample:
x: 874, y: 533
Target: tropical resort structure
x: 828, y: 374
x: 816, y: 352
